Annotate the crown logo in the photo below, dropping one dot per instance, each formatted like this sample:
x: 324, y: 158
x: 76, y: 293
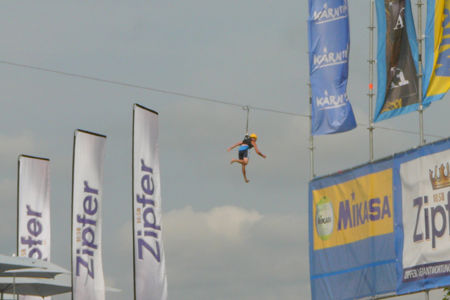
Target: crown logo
x: 443, y: 179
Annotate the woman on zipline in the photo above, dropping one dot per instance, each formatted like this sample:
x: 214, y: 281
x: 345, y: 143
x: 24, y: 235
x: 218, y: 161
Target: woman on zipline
x: 248, y: 143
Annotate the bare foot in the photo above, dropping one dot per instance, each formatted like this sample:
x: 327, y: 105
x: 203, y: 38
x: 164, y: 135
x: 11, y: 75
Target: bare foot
x: 232, y: 161
x: 246, y: 180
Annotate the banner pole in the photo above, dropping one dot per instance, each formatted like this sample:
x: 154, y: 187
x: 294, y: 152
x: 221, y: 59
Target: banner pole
x: 311, y: 137
x: 18, y: 197
x: 71, y: 215
x: 132, y: 204
x: 419, y: 73
x: 371, y: 72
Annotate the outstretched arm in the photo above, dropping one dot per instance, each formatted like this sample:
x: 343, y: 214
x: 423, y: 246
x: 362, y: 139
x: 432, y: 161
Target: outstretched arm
x: 234, y: 146
x: 257, y: 150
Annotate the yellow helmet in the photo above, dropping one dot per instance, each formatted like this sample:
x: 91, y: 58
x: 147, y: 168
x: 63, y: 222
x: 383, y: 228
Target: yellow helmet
x: 254, y: 136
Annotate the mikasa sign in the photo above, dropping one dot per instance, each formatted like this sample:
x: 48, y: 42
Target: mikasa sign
x: 426, y: 216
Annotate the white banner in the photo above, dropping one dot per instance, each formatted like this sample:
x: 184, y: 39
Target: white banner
x: 149, y: 263
x: 87, y: 268
x: 426, y: 216
x: 33, y: 218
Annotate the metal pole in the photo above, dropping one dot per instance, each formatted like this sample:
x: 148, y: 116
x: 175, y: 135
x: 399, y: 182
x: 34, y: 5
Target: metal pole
x: 427, y: 295
x: 419, y: 72
x: 311, y: 137
x: 371, y: 67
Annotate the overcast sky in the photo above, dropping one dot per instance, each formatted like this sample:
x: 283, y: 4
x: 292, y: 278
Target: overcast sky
x: 223, y: 239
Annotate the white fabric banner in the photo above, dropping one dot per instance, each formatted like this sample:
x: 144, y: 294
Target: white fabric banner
x: 33, y: 231
x: 87, y: 268
x: 149, y: 264
x: 426, y: 216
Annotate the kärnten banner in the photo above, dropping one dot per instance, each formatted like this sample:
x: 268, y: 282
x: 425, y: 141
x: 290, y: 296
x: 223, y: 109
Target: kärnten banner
x: 397, y: 61
x: 329, y: 46
x: 437, y: 51
x: 382, y: 228
x: 149, y: 261
x: 87, y: 196
x: 33, y: 203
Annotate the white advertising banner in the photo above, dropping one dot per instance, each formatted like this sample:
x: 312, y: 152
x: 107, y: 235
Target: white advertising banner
x: 33, y: 215
x: 426, y: 216
x: 87, y: 268
x: 149, y: 264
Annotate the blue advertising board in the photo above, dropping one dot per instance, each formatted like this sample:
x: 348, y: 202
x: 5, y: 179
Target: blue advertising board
x: 382, y: 228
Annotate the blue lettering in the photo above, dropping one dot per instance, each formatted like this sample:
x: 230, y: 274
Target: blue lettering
x: 35, y: 253
x: 344, y: 215
x: 417, y: 236
x: 435, y: 231
x: 85, y: 254
x: 90, y: 205
x: 374, y: 209
x: 143, y: 244
x: 83, y: 263
x: 34, y: 227
x: 386, y: 208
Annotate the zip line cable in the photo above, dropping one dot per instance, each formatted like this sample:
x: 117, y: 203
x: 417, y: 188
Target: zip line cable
x: 179, y: 94
x: 125, y: 84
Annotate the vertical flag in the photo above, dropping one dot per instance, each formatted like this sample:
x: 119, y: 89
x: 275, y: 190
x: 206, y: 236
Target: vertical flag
x: 397, y: 60
x: 33, y: 210
x: 329, y: 46
x: 150, y: 282
x: 87, y: 194
x: 437, y: 50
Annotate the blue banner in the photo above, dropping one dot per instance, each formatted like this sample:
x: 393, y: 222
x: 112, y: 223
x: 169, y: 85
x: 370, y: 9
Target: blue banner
x: 397, y: 61
x: 382, y: 228
x: 329, y: 46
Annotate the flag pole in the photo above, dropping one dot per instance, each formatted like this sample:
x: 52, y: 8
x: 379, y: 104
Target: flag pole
x: 419, y: 81
x: 311, y: 137
x: 419, y: 73
x: 371, y: 72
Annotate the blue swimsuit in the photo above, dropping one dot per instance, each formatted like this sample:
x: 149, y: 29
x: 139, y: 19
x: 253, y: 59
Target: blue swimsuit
x: 243, y: 149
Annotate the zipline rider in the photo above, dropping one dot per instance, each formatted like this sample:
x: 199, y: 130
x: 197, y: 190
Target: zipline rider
x: 248, y: 143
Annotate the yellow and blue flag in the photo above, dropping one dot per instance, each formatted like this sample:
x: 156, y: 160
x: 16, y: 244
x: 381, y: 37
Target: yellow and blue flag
x: 437, y: 51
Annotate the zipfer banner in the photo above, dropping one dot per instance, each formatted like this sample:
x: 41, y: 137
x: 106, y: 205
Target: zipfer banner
x: 150, y: 281
x: 33, y: 222
x: 397, y: 61
x: 437, y: 51
x: 383, y: 228
x: 329, y: 46
x: 87, y: 194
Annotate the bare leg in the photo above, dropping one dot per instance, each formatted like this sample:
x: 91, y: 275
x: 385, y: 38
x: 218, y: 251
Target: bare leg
x: 243, y: 173
x: 244, y: 163
x: 240, y: 161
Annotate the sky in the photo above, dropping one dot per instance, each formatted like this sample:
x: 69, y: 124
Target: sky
x: 223, y: 238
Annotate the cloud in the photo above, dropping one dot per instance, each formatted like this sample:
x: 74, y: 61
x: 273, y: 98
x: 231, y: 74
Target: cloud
x: 233, y: 253
x: 229, y: 252
x: 227, y: 223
